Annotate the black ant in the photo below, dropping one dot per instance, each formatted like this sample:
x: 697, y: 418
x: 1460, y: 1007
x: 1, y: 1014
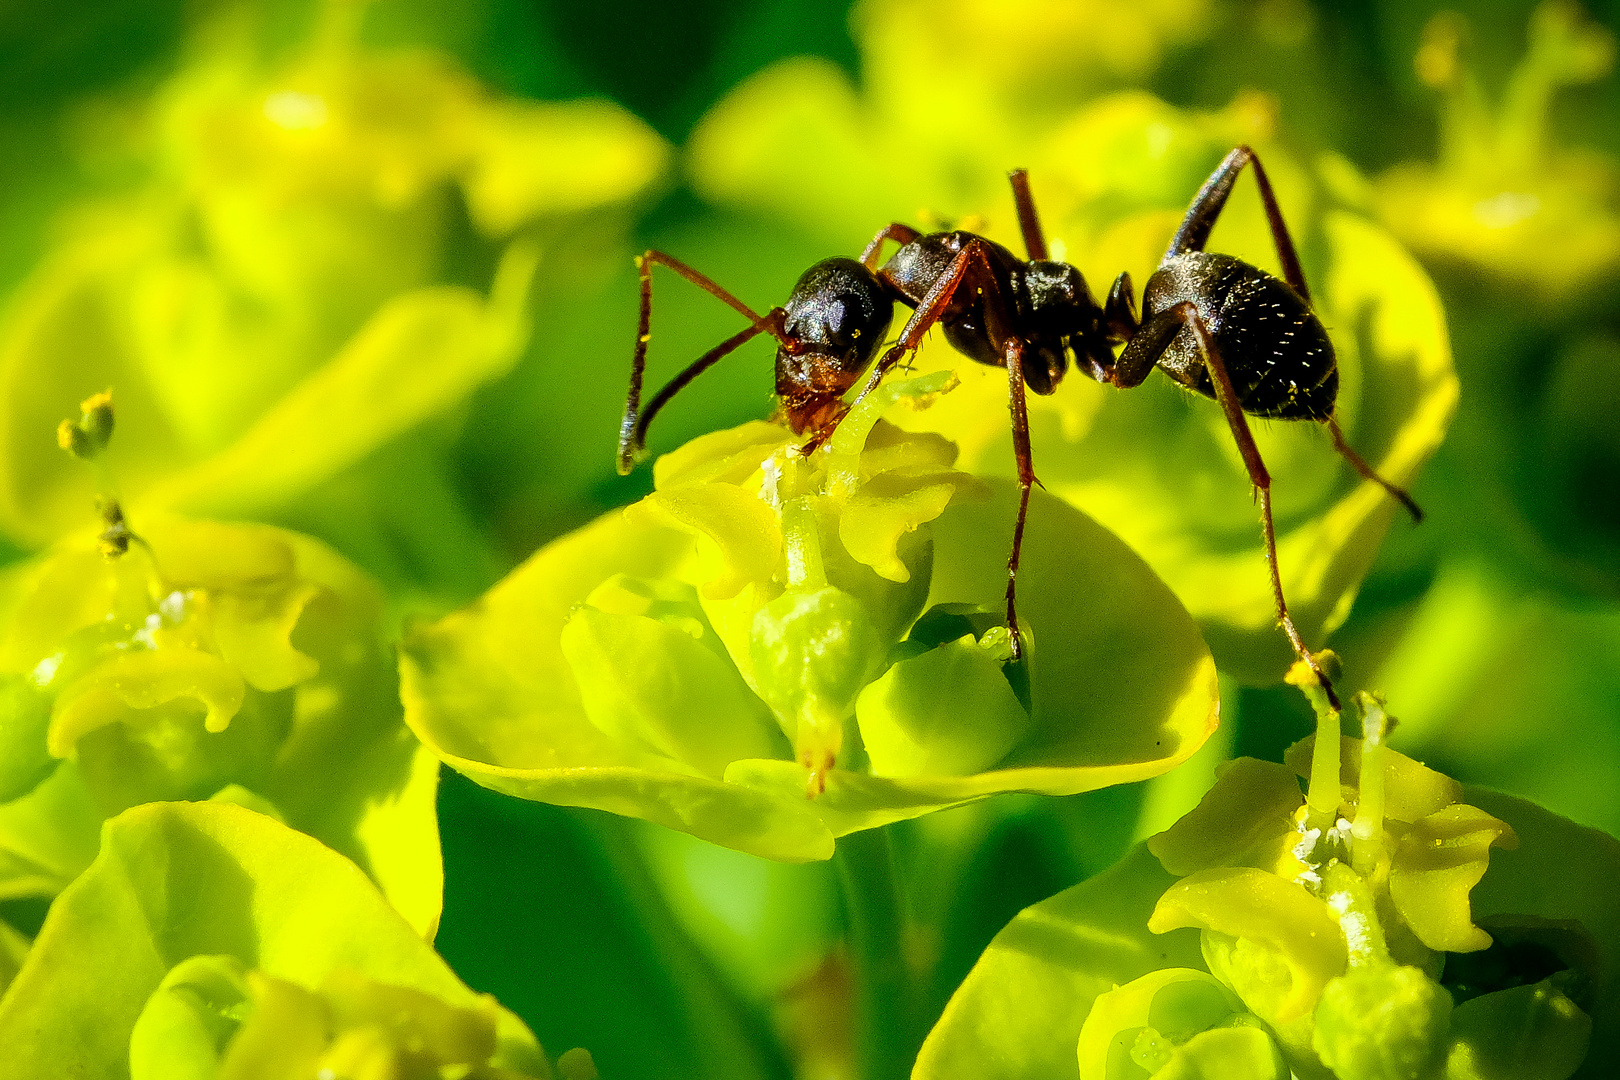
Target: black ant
x: 1214, y: 324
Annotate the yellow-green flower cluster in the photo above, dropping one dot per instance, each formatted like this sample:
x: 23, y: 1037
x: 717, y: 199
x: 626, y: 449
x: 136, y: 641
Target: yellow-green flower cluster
x: 1328, y: 917
x: 1502, y: 195
x: 240, y: 662
x: 765, y: 626
x: 1360, y: 930
x: 210, y: 941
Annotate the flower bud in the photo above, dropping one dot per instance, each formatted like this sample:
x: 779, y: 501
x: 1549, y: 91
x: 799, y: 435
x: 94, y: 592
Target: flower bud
x: 87, y: 437
x: 1382, y: 1022
x: 1175, y: 1024
x: 653, y: 674
x: 812, y: 653
x: 947, y: 712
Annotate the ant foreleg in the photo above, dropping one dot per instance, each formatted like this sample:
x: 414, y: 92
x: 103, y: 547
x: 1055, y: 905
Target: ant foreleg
x: 1211, y: 199
x: 1186, y: 312
x: 1366, y: 471
x: 633, y: 427
x: 900, y: 234
x: 933, y: 305
x: 1029, y: 223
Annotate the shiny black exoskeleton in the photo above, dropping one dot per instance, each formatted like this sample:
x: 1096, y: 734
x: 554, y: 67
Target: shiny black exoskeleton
x: 1277, y: 352
x: 1212, y: 323
x: 1045, y: 303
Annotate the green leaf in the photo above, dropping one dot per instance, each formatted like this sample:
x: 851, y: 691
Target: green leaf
x: 13, y: 951
x: 277, y: 287
x: 421, y: 350
x: 25, y: 716
x: 176, y: 881
x: 48, y: 835
x: 490, y: 691
x: 1020, y: 1011
x: 1561, y: 873
x: 642, y: 681
x: 596, y: 154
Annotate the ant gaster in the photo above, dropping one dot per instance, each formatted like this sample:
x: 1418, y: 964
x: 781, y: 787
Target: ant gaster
x: 1214, y: 324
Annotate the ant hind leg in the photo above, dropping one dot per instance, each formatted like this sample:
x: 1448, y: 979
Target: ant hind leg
x: 1361, y: 466
x: 1226, y: 394
x: 1211, y: 200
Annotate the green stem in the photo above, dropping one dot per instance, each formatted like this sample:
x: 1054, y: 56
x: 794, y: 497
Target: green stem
x: 1322, y: 796
x: 885, y: 997
x: 802, y: 544
x: 1366, y: 833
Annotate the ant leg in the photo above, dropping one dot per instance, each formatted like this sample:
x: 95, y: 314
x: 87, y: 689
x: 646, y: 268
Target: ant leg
x: 633, y: 428
x: 1366, y: 470
x: 1187, y: 312
x: 972, y: 256
x: 1211, y: 199
x: 900, y: 234
x: 1194, y: 232
x: 1019, y: 406
x: 1145, y: 346
x: 1119, y: 310
x: 1028, y: 221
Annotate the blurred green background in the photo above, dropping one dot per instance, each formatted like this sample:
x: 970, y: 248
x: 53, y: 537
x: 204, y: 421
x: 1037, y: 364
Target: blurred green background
x: 1494, y: 627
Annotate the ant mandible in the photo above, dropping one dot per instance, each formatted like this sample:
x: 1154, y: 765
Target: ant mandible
x: 1214, y: 324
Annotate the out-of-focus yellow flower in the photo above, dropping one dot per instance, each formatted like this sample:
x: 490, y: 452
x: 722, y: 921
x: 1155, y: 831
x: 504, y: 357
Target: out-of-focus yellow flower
x: 271, y: 298
x: 1501, y: 196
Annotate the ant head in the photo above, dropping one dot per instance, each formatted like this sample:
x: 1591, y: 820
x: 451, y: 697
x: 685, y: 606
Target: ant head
x: 834, y: 322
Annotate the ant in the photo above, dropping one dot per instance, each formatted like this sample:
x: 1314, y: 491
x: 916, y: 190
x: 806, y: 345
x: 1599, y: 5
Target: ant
x: 1214, y: 324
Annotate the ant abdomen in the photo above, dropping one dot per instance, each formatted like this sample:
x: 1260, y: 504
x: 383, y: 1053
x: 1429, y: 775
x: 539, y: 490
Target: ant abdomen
x: 833, y: 324
x: 1276, y: 350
